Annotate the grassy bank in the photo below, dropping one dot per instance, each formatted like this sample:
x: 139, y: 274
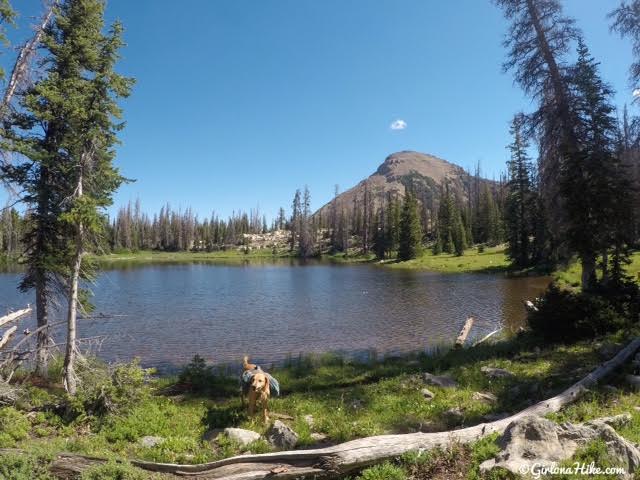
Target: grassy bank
x: 490, y: 260
x: 346, y: 399
x: 570, y: 276
x: 152, y: 256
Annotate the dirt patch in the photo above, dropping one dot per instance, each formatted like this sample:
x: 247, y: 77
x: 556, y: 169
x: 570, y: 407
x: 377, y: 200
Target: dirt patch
x: 453, y: 463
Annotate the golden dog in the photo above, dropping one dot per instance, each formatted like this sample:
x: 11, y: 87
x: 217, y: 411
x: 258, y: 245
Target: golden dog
x: 257, y: 389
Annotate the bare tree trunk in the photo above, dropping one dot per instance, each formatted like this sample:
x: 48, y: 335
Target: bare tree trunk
x: 70, y: 379
x: 588, y: 279
x: 42, y: 318
x: 20, y: 68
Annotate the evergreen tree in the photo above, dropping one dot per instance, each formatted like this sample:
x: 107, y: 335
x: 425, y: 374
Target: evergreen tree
x: 81, y: 72
x: 410, y: 241
x: 519, y: 208
x: 294, y: 224
x: 593, y: 183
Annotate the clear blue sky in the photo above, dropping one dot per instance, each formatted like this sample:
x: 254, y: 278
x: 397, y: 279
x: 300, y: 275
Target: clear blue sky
x: 238, y: 102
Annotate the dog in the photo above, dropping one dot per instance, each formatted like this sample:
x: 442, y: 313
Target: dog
x: 256, y: 386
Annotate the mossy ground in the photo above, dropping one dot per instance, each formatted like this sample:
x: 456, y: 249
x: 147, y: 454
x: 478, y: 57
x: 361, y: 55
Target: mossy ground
x: 347, y: 400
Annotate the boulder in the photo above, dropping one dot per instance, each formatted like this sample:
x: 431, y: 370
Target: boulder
x: 319, y: 437
x: 535, y: 442
x: 427, y: 394
x: 242, y: 436
x: 439, y: 381
x: 282, y: 436
x: 485, y: 397
x: 454, y: 416
x: 150, y: 441
x: 493, y: 372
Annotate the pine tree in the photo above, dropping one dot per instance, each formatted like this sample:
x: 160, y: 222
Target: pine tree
x: 519, y: 209
x: 594, y: 184
x: 410, y: 242
x: 82, y: 91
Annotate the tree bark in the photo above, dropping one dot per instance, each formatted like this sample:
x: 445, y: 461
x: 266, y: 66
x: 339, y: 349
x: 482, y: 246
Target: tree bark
x: 42, y: 318
x: 588, y: 277
x: 70, y: 379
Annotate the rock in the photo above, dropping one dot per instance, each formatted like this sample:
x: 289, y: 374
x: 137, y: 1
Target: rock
x: 535, y: 442
x: 281, y: 436
x: 439, y: 381
x: 537, y: 350
x: 609, y: 389
x: 212, y: 435
x: 485, y: 397
x: 454, y: 416
x: 242, y: 436
x: 150, y: 441
x: 319, y: 437
x: 621, y: 420
x: 309, y: 420
x: 427, y: 394
x: 493, y: 372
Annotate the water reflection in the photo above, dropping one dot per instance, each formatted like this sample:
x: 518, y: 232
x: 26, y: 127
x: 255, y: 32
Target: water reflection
x: 166, y: 313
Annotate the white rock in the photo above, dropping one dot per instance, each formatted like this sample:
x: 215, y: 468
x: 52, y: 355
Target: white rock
x: 242, y: 436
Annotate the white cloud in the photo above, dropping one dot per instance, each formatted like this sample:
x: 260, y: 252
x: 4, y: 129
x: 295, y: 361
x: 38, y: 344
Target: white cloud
x: 636, y: 92
x: 398, y: 125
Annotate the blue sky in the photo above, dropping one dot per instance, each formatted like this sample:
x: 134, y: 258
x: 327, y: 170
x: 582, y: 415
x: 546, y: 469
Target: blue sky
x: 238, y: 103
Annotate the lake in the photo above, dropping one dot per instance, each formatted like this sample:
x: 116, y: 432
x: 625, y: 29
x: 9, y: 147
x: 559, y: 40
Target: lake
x: 165, y: 314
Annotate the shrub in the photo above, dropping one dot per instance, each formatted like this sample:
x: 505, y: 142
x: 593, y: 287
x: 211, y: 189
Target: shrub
x: 104, y: 390
x: 23, y: 467
x: 384, y: 471
x: 198, y: 377
x: 114, y: 471
x: 565, y: 315
x: 14, y: 426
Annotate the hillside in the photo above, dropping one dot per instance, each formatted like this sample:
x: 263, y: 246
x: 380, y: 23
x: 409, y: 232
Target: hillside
x: 425, y: 172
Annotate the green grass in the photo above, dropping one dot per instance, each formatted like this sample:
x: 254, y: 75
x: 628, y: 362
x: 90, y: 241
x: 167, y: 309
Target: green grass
x: 347, y: 400
x: 569, y: 276
x: 152, y: 256
x: 491, y: 260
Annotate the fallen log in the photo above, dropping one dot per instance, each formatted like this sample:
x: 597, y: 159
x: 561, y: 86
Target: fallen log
x: 341, y: 459
x: 10, y: 317
x: 487, y: 337
x: 7, y: 335
x: 464, y: 333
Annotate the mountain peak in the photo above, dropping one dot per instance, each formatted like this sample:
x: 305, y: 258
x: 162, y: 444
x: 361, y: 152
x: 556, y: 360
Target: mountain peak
x: 406, y: 162
x: 426, y: 173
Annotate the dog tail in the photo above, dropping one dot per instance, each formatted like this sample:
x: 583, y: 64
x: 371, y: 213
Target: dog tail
x: 245, y: 361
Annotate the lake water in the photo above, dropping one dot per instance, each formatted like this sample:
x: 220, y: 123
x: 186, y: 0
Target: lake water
x: 164, y: 314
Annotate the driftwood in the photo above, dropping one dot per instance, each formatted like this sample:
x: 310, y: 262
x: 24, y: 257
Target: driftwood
x: 7, y: 335
x: 10, y: 317
x: 530, y: 306
x: 487, y: 337
x: 338, y: 460
x: 464, y: 333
